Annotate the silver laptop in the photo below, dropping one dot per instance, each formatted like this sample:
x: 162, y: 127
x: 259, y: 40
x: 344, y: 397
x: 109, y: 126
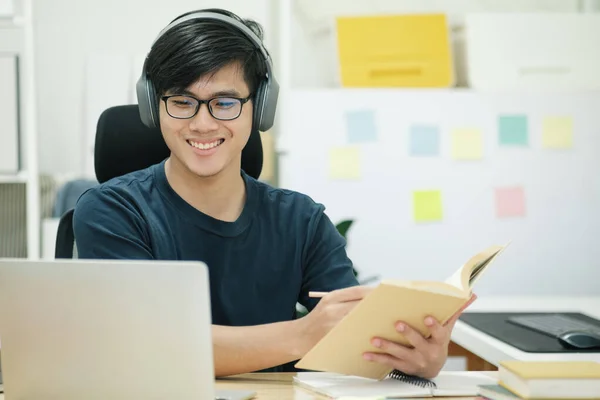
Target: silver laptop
x: 83, y: 329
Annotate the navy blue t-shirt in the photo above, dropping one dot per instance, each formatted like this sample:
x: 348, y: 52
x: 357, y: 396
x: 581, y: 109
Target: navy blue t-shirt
x: 281, y: 247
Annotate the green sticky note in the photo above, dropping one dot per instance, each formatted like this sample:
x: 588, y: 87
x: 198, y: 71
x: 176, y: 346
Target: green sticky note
x: 427, y: 205
x: 513, y: 130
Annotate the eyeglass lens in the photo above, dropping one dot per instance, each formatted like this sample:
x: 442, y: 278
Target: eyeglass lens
x: 223, y: 108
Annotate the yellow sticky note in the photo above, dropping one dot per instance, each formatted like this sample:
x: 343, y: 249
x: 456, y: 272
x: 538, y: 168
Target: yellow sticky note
x: 344, y: 163
x: 427, y: 205
x: 467, y: 144
x: 557, y: 132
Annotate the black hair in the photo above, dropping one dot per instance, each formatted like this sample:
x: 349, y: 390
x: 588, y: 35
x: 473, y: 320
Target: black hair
x: 195, y: 48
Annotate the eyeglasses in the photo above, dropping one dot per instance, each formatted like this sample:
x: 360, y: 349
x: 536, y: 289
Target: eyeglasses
x: 221, y: 108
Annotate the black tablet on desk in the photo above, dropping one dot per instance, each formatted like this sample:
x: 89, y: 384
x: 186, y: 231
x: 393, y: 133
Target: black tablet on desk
x: 532, y: 335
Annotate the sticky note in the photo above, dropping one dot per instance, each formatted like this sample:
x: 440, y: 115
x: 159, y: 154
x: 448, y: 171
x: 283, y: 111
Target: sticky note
x: 467, y: 144
x: 510, y: 202
x: 427, y: 205
x: 360, y: 126
x: 557, y: 132
x: 424, y: 140
x: 513, y: 130
x: 344, y: 163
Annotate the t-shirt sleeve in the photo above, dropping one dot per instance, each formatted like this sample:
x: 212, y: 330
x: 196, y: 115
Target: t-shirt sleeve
x: 109, y: 226
x: 327, y: 266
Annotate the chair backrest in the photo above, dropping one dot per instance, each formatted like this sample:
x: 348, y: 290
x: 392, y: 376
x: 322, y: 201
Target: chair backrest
x: 124, y: 144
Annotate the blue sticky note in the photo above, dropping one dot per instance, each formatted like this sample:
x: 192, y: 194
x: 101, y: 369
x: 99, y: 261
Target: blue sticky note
x: 424, y: 140
x: 360, y: 126
x: 513, y: 130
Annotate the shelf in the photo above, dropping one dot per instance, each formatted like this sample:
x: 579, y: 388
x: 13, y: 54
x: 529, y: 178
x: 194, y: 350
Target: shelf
x: 20, y: 177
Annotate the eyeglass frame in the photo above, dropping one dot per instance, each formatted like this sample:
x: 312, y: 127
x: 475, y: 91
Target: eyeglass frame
x: 242, y: 100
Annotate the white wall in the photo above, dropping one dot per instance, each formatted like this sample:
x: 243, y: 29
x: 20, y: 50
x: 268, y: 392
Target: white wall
x: 67, y: 31
x: 553, y: 246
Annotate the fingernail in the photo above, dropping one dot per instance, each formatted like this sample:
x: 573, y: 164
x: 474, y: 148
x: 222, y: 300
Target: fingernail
x: 377, y: 342
x: 428, y: 321
x: 367, y: 356
x: 400, y: 327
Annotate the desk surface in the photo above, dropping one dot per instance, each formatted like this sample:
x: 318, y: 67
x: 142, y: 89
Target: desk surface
x: 274, y: 387
x: 493, y: 350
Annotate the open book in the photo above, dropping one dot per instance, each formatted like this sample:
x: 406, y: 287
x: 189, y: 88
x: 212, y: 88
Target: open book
x: 341, y: 350
x: 450, y: 383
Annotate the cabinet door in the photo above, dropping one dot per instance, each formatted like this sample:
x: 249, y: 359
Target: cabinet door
x: 9, y: 126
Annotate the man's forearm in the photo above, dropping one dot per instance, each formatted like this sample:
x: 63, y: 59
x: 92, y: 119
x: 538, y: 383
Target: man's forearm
x: 243, y: 349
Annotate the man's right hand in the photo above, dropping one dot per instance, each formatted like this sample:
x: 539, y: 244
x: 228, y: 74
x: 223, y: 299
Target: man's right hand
x: 327, y: 313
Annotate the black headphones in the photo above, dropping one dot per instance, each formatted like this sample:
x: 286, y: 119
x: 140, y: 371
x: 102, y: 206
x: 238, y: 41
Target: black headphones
x: 265, y: 98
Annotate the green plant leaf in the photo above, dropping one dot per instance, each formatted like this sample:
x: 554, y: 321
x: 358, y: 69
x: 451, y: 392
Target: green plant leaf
x: 343, y: 227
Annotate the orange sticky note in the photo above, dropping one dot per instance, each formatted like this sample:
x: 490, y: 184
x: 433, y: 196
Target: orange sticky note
x: 510, y: 202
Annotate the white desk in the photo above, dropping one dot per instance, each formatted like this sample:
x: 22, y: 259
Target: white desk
x: 493, y: 350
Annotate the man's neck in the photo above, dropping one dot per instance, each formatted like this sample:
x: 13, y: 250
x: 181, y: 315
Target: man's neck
x: 221, y: 196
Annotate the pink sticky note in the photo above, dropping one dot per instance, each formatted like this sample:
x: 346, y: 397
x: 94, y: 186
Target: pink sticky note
x: 510, y: 202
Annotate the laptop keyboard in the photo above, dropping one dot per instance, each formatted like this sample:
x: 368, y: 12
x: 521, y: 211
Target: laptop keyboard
x: 554, y: 324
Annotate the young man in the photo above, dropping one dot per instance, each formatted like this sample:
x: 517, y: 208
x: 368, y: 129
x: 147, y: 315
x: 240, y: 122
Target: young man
x: 266, y: 248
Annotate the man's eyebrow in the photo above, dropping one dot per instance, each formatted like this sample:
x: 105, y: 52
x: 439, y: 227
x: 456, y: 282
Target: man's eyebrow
x: 227, y: 92
x: 220, y: 93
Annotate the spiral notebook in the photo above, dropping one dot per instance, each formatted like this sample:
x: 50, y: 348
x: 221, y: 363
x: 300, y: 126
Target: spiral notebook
x: 447, y: 383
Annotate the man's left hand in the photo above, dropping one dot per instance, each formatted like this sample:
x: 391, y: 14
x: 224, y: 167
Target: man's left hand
x: 426, y: 357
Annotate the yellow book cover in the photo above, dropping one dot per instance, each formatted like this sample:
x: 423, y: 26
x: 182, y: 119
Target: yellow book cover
x: 551, y: 379
x: 410, y: 50
x: 553, y: 369
x: 341, y: 350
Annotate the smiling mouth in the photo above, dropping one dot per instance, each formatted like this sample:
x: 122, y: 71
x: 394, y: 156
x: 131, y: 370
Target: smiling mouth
x: 206, y: 146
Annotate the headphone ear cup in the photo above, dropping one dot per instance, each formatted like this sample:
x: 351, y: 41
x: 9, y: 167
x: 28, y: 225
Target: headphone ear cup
x: 268, y: 103
x: 147, y: 104
x: 258, y: 107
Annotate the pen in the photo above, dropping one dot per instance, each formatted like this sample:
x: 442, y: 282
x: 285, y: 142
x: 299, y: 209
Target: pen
x: 316, y: 294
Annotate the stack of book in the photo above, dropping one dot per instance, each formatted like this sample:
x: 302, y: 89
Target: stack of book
x: 545, y: 380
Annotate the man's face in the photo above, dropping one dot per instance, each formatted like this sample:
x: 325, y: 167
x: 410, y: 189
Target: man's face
x: 204, y: 145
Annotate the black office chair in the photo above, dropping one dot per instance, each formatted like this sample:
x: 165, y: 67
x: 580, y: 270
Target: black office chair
x: 124, y: 144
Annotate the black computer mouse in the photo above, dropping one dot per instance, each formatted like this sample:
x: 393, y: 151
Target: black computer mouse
x: 580, y: 340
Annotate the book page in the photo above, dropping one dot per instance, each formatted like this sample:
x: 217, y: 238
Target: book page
x: 460, y: 383
x: 465, y: 276
x: 478, y: 269
x: 336, y: 385
x: 456, y: 279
